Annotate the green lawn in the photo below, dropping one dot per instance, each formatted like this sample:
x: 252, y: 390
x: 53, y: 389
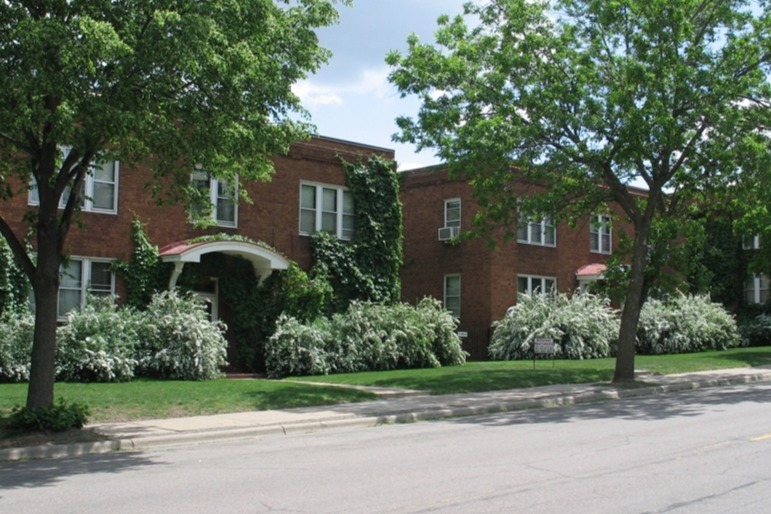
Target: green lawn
x: 144, y: 399
x: 149, y: 399
x: 491, y: 376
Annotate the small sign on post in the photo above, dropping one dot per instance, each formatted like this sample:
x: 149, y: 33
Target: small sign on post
x: 544, y: 346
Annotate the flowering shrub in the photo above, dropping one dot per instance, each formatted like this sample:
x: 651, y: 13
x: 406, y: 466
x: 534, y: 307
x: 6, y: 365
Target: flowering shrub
x: 16, y: 332
x: 583, y: 327
x: 684, y: 324
x: 757, y: 331
x: 297, y: 349
x: 177, y: 341
x: 97, y: 344
x: 366, y: 337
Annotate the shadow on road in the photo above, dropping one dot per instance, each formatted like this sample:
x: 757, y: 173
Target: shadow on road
x: 657, y: 407
x: 48, y: 472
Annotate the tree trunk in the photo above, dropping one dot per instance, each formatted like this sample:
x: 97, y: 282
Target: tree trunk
x: 635, y: 297
x: 45, y: 284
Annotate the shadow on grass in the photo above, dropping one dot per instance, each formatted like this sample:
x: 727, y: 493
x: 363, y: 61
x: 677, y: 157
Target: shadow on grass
x: 298, y: 395
x: 473, y: 380
x: 749, y: 357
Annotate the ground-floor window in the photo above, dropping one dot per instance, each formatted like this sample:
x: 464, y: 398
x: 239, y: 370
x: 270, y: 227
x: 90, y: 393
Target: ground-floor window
x: 452, y: 294
x: 756, y: 289
x: 531, y: 284
x: 83, y: 277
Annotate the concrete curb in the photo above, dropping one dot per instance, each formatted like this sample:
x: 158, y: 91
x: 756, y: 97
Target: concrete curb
x: 480, y: 407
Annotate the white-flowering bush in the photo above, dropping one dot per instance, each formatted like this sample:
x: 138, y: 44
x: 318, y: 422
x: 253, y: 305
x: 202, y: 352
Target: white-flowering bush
x: 757, y: 331
x: 297, y: 349
x: 177, y: 341
x: 16, y: 331
x: 439, y: 322
x: 97, y: 344
x: 366, y: 337
x: 582, y: 326
x: 685, y: 323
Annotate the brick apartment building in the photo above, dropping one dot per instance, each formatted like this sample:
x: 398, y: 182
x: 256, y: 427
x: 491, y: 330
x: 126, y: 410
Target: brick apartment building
x: 477, y: 282
x: 307, y: 193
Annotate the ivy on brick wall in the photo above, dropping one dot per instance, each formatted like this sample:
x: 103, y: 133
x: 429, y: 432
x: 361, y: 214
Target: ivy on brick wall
x: 367, y: 267
x: 144, y: 274
x: 14, y: 286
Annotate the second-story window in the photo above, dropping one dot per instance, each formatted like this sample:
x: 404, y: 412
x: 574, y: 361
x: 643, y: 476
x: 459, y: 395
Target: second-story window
x: 99, y: 192
x: 220, y: 196
x: 452, y: 213
x: 537, y: 231
x: 600, y: 234
x: 326, y: 208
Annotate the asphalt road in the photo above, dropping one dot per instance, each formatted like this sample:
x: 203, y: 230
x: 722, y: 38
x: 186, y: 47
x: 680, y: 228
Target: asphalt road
x: 706, y: 451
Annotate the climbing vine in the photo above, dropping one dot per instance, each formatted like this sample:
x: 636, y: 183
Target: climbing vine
x: 367, y: 267
x: 144, y: 274
x: 14, y: 285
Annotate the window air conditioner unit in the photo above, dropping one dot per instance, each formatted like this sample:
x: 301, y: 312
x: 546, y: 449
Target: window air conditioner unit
x: 448, y: 233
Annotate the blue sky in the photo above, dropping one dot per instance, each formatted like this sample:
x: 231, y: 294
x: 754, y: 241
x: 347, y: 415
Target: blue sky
x: 350, y: 98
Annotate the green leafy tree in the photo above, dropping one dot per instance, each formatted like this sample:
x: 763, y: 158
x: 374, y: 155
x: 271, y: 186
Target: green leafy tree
x: 588, y: 96
x: 175, y: 84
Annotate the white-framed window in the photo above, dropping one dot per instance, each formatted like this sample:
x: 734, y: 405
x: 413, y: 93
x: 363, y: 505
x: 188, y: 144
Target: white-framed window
x: 79, y: 278
x: 452, y: 212
x: 452, y: 294
x: 222, y: 195
x: 751, y: 243
x: 99, y: 192
x: 600, y: 234
x: 326, y: 208
x: 540, y: 232
x: 756, y: 289
x: 532, y: 284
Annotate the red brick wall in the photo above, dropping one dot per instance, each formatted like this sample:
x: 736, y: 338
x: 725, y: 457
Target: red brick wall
x: 488, y: 275
x: 273, y: 217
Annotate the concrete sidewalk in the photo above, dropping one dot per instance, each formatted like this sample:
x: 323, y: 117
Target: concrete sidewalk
x: 393, y: 407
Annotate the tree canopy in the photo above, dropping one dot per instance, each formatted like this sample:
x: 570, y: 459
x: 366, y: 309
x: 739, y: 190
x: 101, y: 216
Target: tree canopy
x: 167, y: 82
x: 589, y: 97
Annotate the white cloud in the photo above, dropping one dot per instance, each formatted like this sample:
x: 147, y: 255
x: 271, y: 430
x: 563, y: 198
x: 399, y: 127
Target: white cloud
x: 312, y: 95
x: 371, y: 81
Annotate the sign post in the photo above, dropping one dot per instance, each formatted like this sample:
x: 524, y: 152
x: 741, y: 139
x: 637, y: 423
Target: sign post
x: 544, y: 346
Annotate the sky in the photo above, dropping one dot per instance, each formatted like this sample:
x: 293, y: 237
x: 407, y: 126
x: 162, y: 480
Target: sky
x: 350, y: 98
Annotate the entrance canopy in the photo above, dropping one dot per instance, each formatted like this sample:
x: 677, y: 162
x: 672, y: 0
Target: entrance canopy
x: 590, y: 273
x: 263, y: 259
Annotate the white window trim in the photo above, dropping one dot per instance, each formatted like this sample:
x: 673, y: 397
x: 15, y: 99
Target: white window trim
x: 318, y: 211
x: 87, y: 204
x: 447, y: 221
x: 756, y: 289
x: 753, y: 244
x: 214, y: 183
x: 601, y: 224
x: 539, y: 225
x: 531, y: 279
x: 85, y: 286
x: 445, y: 296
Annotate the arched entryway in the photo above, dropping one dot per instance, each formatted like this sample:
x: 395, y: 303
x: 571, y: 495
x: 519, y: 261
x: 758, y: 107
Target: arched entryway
x: 217, y: 263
